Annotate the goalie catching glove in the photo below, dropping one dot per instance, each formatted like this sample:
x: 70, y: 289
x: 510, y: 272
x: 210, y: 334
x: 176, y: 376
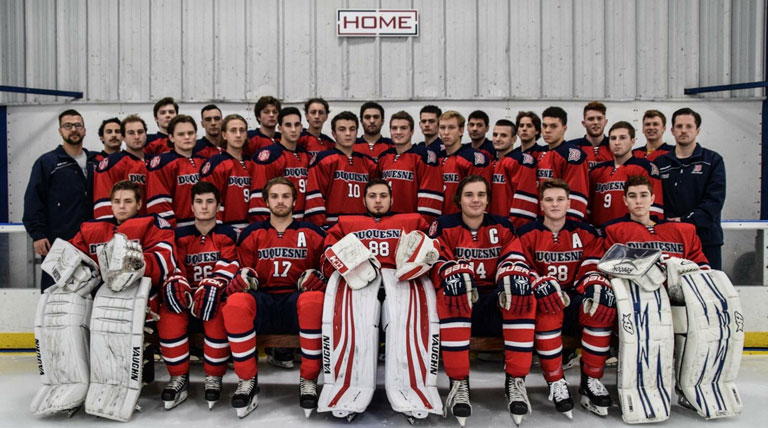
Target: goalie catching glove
x: 312, y: 280
x: 458, y: 285
x: 353, y: 261
x: 514, y: 287
x: 206, y: 298
x: 599, y: 302
x: 416, y: 253
x: 246, y: 279
x: 177, y: 293
x: 550, y: 298
x: 122, y: 262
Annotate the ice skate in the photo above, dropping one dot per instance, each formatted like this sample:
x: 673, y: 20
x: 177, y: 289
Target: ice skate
x: 558, y: 393
x: 517, y: 398
x: 280, y: 357
x: 175, y: 392
x: 458, y: 401
x: 246, y: 396
x: 594, y: 396
x: 212, y: 390
x: 308, y: 395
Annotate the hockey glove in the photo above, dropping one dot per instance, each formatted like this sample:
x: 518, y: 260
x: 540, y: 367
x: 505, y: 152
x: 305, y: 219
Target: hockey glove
x: 206, y: 298
x: 550, y: 298
x: 514, y: 288
x: 312, y: 280
x: 177, y: 293
x: 458, y: 285
x: 599, y: 302
x: 246, y: 279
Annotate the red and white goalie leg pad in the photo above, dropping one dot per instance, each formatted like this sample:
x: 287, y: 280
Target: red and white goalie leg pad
x: 61, y: 330
x: 117, y: 350
x: 646, y: 337
x: 413, y: 345
x: 350, y: 347
x: 709, y: 338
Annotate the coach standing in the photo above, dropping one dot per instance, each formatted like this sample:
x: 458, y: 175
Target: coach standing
x: 693, y: 182
x: 59, y: 194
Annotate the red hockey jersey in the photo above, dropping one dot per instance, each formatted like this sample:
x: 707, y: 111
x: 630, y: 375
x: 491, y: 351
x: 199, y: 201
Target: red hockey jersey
x: 153, y: 233
x: 595, y: 154
x: 314, y: 145
x: 642, y: 152
x: 206, y: 149
x: 607, y: 189
x: 213, y: 255
x: 536, y: 150
x: 381, y: 146
x: 257, y: 141
x: 280, y: 258
x: 514, y: 190
x: 415, y: 179
x: 278, y: 161
x: 169, y: 183
x: 568, y: 162
x: 335, y: 186
x: 671, y: 238
x: 232, y: 178
x: 116, y: 167
x: 158, y: 144
x: 464, y: 162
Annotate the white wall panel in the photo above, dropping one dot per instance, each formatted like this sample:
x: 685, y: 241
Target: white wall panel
x: 103, y: 60
x: 652, y: 43
x: 134, y: 48
x: 557, y: 48
x: 525, y: 46
x: 261, y: 57
x: 229, y: 61
x: 40, y: 46
x: 12, y: 66
x: 429, y: 50
x: 715, y: 45
x: 748, y: 44
x: 493, y: 49
x: 363, y: 61
x: 461, y: 56
x: 620, y: 52
x: 397, y: 61
x: 296, y: 31
x: 198, y: 49
x: 683, y: 46
x: 589, y: 42
x: 165, y: 52
x: 71, y: 46
x: 330, y: 51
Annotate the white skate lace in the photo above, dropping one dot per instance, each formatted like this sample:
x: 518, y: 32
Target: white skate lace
x: 176, y: 383
x: 596, y: 387
x: 559, y: 390
x: 212, y: 382
x: 516, y: 390
x: 459, y: 394
x: 244, y: 386
x: 307, y: 387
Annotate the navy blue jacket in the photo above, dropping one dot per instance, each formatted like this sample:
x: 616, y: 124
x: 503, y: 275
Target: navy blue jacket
x: 694, y: 190
x: 58, y: 197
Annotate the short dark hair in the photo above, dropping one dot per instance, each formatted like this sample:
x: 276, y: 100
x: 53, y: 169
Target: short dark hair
x: 374, y: 182
x: 104, y: 124
x: 429, y: 108
x: 623, y: 125
x: 126, y: 185
x: 509, y: 123
x: 164, y: 102
x: 230, y: 118
x: 402, y: 115
x: 596, y: 106
x: 467, y: 180
x: 287, y: 112
x: 637, y: 180
x: 345, y: 115
x: 279, y: 180
x: 479, y: 114
x: 557, y: 113
x: 180, y: 118
x: 311, y: 101
x: 202, y: 187
x: 263, y: 102
x: 132, y: 118
x: 687, y: 111
x: 655, y: 113
x: 372, y: 104
x: 535, y: 119
x: 554, y: 183
x: 209, y: 107
x: 70, y: 112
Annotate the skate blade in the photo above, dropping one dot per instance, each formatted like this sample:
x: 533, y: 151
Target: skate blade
x: 600, y: 411
x: 245, y: 411
x: 569, y: 414
x: 171, y: 404
x: 462, y: 420
x: 518, y: 419
x: 307, y: 413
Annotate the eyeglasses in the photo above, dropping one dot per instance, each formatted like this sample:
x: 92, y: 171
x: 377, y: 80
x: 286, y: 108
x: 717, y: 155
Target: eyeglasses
x: 69, y: 126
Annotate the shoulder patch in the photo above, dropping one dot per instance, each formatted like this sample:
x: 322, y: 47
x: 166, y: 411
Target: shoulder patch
x: 206, y: 168
x: 163, y: 223
x: 479, y: 159
x: 433, y: 229
x: 263, y: 155
x: 528, y: 159
x: 103, y: 164
x: 574, y: 155
x: 154, y: 162
x: 654, y: 169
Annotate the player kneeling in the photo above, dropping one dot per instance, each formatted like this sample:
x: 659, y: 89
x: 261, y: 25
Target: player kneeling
x: 275, y: 256
x: 206, y: 254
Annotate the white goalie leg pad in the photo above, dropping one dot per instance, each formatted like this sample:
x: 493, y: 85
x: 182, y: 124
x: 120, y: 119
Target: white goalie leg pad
x: 709, y: 339
x: 61, y: 341
x: 352, y: 259
x: 350, y: 347
x: 70, y: 268
x: 415, y: 255
x: 413, y: 346
x: 117, y: 350
x: 646, y: 342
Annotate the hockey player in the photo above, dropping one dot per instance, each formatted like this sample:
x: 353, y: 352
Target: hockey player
x: 267, y: 109
x: 567, y: 252
x: 312, y: 139
x: 164, y: 110
x: 126, y: 165
x: 640, y: 229
x: 111, y: 138
x: 372, y: 143
x: 172, y: 174
x: 231, y: 173
x: 337, y: 177
x: 514, y: 185
x: 477, y: 127
x: 412, y: 172
x: 210, y: 144
x: 429, y: 116
x: 286, y: 159
x: 654, y: 126
x: 458, y: 160
x: 528, y: 126
x: 564, y: 161
x: 275, y: 256
x: 594, y: 143
x: 607, y: 178
x: 206, y: 254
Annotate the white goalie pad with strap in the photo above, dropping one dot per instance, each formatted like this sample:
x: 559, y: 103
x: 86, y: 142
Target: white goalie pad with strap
x: 117, y: 350
x: 61, y: 330
x: 122, y: 262
x: 415, y: 255
x: 709, y: 338
x: 352, y: 259
x: 413, y: 345
x: 350, y: 347
x: 646, y: 339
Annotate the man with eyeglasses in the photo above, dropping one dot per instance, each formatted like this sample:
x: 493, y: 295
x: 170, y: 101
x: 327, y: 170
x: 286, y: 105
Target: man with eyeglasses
x: 59, y: 194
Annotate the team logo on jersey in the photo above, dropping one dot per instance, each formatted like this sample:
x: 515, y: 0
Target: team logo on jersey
x: 697, y: 169
x: 103, y: 164
x: 154, y: 162
x: 206, y: 168
x: 163, y: 223
x: 479, y: 158
x: 433, y: 228
x: 263, y: 155
x: 431, y: 157
x: 654, y: 169
x: 527, y: 159
x: 574, y: 155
